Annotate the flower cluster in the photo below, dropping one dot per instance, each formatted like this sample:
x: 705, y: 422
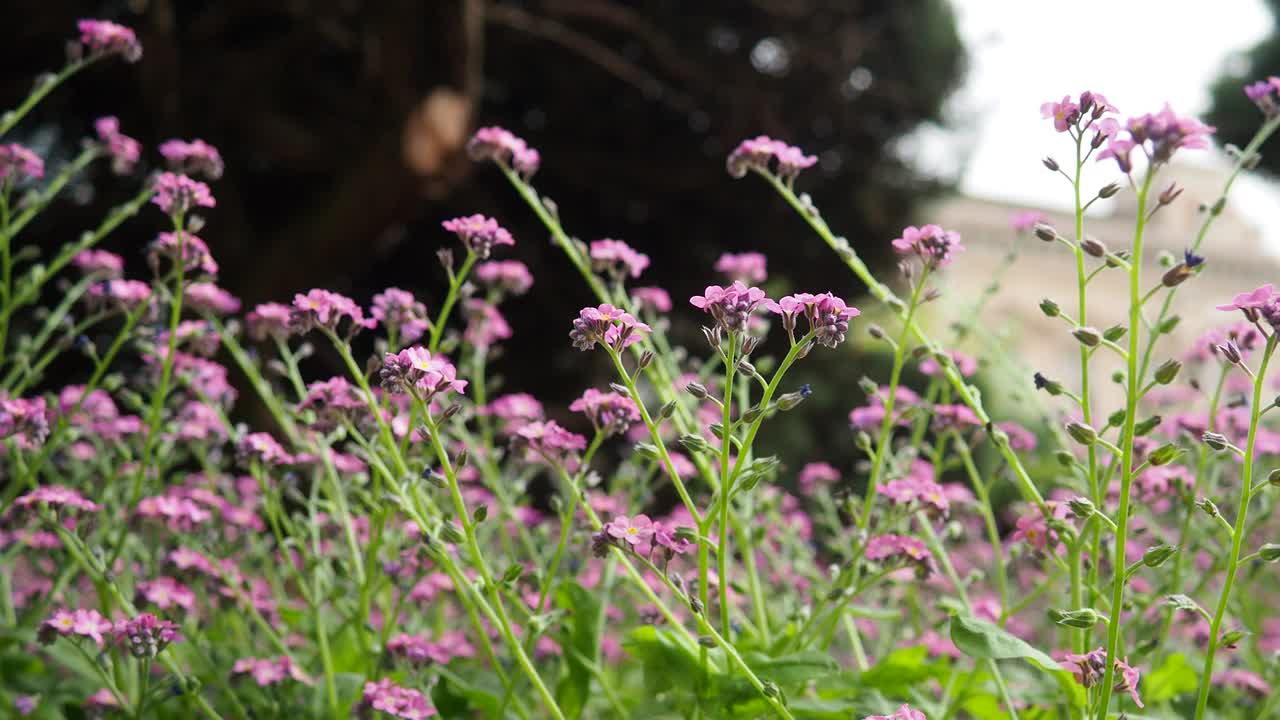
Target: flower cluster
x: 1264, y: 94
x: 906, y: 712
x: 1091, y: 667
x: 195, y: 157
x: 267, y: 672
x: 79, y: 622
x: 194, y: 252
x: 748, y: 267
x: 479, y: 234
x: 1260, y: 304
x: 1158, y: 135
x: 325, y: 309
x: 420, y: 650
x: 417, y: 369
x: 499, y: 145
x: 894, y: 550
x: 757, y: 154
x: 609, y: 413
x: 25, y: 418
x: 827, y: 315
x: 731, y: 307
x: 102, y: 38
x: 399, y: 702
x: 179, y: 194
x: 617, y: 258
x: 934, y: 246
x: 641, y: 535
x: 19, y: 164
x: 124, y: 150
x: 508, y: 276
x: 607, y: 325
x: 58, y: 497
x: 401, y: 313
x: 549, y: 441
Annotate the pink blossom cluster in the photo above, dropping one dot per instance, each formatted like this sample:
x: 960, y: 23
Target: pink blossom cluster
x: 179, y: 194
x: 934, y: 246
x: 184, y: 248
x: 617, y: 258
x: 416, y: 368
x: 758, y: 152
x: 827, y: 315
x: 1158, y: 135
x: 59, y: 497
x: 145, y: 635
x: 731, y: 306
x: 747, y: 267
x: 891, y: 549
x: 25, y: 418
x: 906, y: 712
x: 401, y: 313
x: 206, y: 297
x: 19, y: 164
x: 193, y: 157
x: 508, y: 276
x: 609, y: 412
x: 640, y: 534
x: 121, y: 295
x: 486, y: 325
x: 123, y: 150
x: 653, y: 299
x: 607, y: 325
x: 1090, y: 668
x: 420, y: 650
x: 479, y: 234
x: 79, y: 622
x: 102, y: 38
x: 501, y: 146
x: 267, y: 672
x: 399, y: 702
x: 549, y: 441
x: 102, y: 262
x: 320, y: 308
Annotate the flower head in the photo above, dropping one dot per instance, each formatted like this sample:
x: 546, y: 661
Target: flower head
x: 1064, y: 112
x: 617, y: 258
x: 399, y: 702
x: 207, y: 297
x: 815, y: 473
x: 906, y: 712
x: 827, y: 315
x: 900, y: 550
x: 1264, y: 94
x: 1262, y: 303
x: 146, y: 635
x: 416, y: 368
x: 485, y: 324
x: 269, y: 320
x: 80, y: 622
x: 549, y: 441
x: 509, y: 276
x: 262, y: 447
x: 269, y: 671
x: 933, y: 245
x: 195, y: 157
x: 501, y: 146
x: 177, y: 194
x: 1026, y: 220
x: 59, y: 497
x: 515, y: 408
x: 102, y: 262
x: 757, y: 153
x: 124, y: 295
x: 28, y: 420
x: 478, y: 233
x: 101, y: 37
x: 325, y: 309
x: 194, y: 252
x: 610, y: 413
x: 652, y: 298
x: 607, y: 325
x: 730, y: 306
x: 19, y: 164
x: 401, y: 313
x: 124, y: 150
x: 632, y: 531
x: 1090, y: 668
x: 748, y: 267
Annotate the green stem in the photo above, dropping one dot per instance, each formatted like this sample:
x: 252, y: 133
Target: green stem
x: 455, y: 283
x: 988, y: 516
x: 10, y: 119
x: 726, y: 488
x: 1241, y: 530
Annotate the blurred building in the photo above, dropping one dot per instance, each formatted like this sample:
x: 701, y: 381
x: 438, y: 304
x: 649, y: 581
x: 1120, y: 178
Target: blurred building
x: 1237, y: 261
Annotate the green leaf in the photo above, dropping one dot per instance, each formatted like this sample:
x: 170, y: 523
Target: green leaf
x: 902, y: 669
x: 580, y: 634
x: 981, y: 639
x: 1173, y: 678
x: 794, y: 670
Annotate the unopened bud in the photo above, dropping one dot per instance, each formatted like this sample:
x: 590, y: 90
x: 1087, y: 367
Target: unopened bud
x: 461, y: 460
x: 694, y: 443
x: 1269, y: 552
x: 666, y: 410
x: 445, y: 256
x: 875, y: 331
x: 1108, y: 190
x: 645, y: 359
x: 753, y: 414
x: 1094, y: 247
x: 1081, y: 507
x: 451, y: 534
x: 1232, y: 638
x: 1230, y: 352
x: 1050, y: 308
x: 480, y: 514
x: 1053, y: 387
x: 769, y: 689
x: 789, y: 401
x: 1114, y: 333
x: 1170, y: 193
x: 1116, y: 419
x: 1156, y: 556
x: 1046, y: 232
x: 1146, y: 426
x: 450, y: 411
x: 1082, y: 433
x: 1273, y: 478
x: 747, y: 368
x: 1216, y: 441
x: 698, y: 390
x: 1089, y: 337
x: 1176, y: 275
x: 706, y: 641
x: 1050, y: 163
x: 1208, y: 507
x: 1082, y: 618
x: 1065, y: 458
x: 1168, y: 372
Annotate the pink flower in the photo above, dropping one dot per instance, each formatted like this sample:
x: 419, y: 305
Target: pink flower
x: 748, y: 267
x: 179, y: 514
x: 325, y: 309
x: 1090, y: 668
x: 165, y: 593
x: 104, y: 38
x: 917, y: 491
x: 827, y: 315
x: 269, y: 671
x: 145, y: 635
x: 28, y: 420
x: 123, y: 295
x: 652, y: 298
x: 608, y: 326
x: 1119, y: 148
x: 756, y: 154
x: 1020, y: 438
x: 124, y: 150
x: 479, y: 234
x: 1255, y: 300
x: 1245, y: 680
x: 504, y: 148
x: 632, y: 531
x: 549, y: 441
x: 416, y: 367
x: 65, y: 623
x: 1026, y: 220
x: 898, y: 549
x: 1065, y: 113
x: 207, y: 297
x: 485, y: 324
x: 385, y: 696
x: 510, y: 276
x: 1263, y: 94
x: 262, y: 447
x: 196, y: 157
x: 101, y: 700
x: 194, y: 252
x: 269, y: 320
x: 177, y: 194
x: 517, y: 408
x: 59, y: 497
x: 906, y: 712
x: 19, y: 164
x: 610, y: 413
x: 730, y: 306
x: 933, y: 245
x: 966, y: 364
x: 617, y: 258
x: 814, y: 473
x: 99, y: 261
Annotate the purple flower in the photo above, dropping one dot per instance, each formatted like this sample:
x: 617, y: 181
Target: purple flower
x: 415, y: 367
x: 177, y: 194
x: 1159, y: 135
x: 510, y: 276
x: 916, y: 491
x: 269, y: 671
x: 617, y: 258
x: 179, y: 514
x: 610, y: 413
x: 19, y: 164
x: 165, y: 593
x: 1065, y: 113
x: 748, y: 267
x: 195, y: 157
x: 479, y: 234
x: 817, y: 472
x: 28, y: 420
x: 1262, y: 303
x: 756, y: 154
x: 607, y: 325
x: 549, y: 441
x: 145, y: 635
x: 104, y: 38
x: 124, y: 150
x: 58, y: 497
x: 967, y: 365
x: 906, y: 712
x: 730, y: 306
x: 406, y: 703
x: 125, y: 295
x: 933, y: 245
x: 401, y: 313
x: 99, y: 261
x: 900, y: 550
x: 665, y: 537
x: 827, y: 315
x: 1090, y: 668
x: 1026, y: 220
x: 499, y: 145
x: 26, y: 704
x: 195, y: 253
x: 332, y: 400
x: 264, y: 448
x: 1264, y: 94
x: 1119, y: 148
x: 632, y: 531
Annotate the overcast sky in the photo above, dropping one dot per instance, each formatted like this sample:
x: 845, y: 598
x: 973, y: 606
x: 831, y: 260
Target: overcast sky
x: 1139, y: 53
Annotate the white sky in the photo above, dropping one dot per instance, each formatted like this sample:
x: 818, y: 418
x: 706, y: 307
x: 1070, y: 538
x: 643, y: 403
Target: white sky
x: 1139, y: 53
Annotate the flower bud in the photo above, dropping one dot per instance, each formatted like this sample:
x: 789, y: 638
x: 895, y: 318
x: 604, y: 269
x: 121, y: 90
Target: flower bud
x: 1146, y: 426
x: 694, y: 443
x: 788, y: 401
x: 1089, y: 337
x: 1230, y: 352
x: 1232, y: 638
x: 1167, y: 372
x: 1156, y: 556
x: 1046, y: 232
x: 868, y: 386
x: 753, y: 414
x: 747, y: 368
x: 1116, y: 419
x: 450, y: 411
x: 1053, y: 387
x: 1050, y: 164
x: 706, y: 641
x: 769, y: 689
x: 1050, y: 308
x: 1269, y: 552
x: 875, y: 331
x: 666, y: 411
x: 1082, y: 433
x: 1215, y: 441
x: 1065, y: 458
x: 1114, y: 333
x: 1108, y: 190
x: 1176, y: 275
x: 451, y: 534
x: 1208, y: 507
x: 445, y: 256
x: 1081, y: 507
x: 460, y: 461
x: 1273, y: 478
x: 645, y: 359
x: 1117, y: 255
x: 1093, y: 246
x: 1170, y: 193
x: 1082, y: 618
x: 698, y: 390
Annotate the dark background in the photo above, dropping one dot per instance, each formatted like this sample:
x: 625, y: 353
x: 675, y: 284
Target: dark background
x: 341, y: 123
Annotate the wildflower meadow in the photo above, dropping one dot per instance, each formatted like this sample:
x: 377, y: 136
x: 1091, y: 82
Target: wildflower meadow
x: 414, y: 538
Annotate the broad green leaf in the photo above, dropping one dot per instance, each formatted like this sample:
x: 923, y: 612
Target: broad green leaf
x: 901, y: 669
x: 981, y: 639
x: 580, y: 633
x: 1173, y: 678
x: 791, y: 670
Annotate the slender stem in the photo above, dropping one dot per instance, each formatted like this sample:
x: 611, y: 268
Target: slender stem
x: 13, y: 117
x: 1132, y: 384
x: 1241, y: 530
x: 726, y: 488
x: 988, y: 516
x: 455, y: 283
